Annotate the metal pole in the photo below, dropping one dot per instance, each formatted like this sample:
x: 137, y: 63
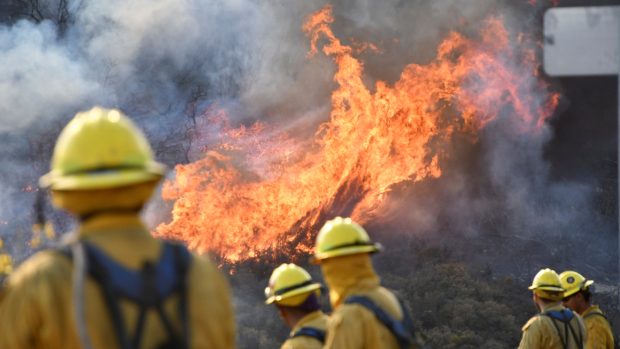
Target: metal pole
x: 618, y: 161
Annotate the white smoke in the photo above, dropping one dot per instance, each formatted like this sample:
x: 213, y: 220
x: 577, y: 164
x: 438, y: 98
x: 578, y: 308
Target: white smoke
x: 156, y: 58
x: 153, y: 58
x: 39, y: 78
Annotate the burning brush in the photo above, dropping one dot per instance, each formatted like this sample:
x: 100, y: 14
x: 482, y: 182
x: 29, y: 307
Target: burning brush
x: 259, y: 193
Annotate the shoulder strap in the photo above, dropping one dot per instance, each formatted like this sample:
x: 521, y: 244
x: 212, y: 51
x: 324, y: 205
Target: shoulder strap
x: 310, y: 332
x: 561, y: 315
x: 401, y: 330
x: 132, y: 284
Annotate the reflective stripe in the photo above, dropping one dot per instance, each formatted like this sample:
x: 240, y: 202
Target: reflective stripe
x: 293, y: 287
x: 353, y: 244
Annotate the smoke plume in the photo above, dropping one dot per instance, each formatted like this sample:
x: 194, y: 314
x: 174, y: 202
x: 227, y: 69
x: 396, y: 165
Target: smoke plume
x: 167, y: 63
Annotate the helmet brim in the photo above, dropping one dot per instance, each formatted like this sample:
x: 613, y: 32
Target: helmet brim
x: 293, y: 293
x: 346, y: 251
x: 552, y: 295
x: 102, y: 179
x: 546, y: 288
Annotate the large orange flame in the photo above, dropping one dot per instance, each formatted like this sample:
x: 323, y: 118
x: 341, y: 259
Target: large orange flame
x: 260, y: 192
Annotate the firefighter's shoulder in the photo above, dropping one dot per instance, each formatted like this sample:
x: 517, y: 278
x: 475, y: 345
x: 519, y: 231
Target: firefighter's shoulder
x: 338, y: 316
x: 42, y: 265
x: 535, y: 320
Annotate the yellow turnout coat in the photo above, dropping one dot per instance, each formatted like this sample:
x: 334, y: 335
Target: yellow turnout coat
x: 599, y: 331
x: 352, y: 326
x: 37, y: 309
x: 316, y: 319
x: 540, y: 332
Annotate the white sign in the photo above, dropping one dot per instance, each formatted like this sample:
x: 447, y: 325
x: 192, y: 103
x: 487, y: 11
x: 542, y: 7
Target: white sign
x: 582, y: 41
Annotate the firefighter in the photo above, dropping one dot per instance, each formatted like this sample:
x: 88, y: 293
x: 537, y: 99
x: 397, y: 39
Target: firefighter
x: 577, y: 297
x: 291, y: 289
x: 366, y: 315
x: 112, y: 285
x: 555, y: 326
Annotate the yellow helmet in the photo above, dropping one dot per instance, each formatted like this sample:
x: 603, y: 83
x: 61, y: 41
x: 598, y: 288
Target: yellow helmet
x: 98, y: 149
x: 290, y: 285
x: 547, y: 285
x: 573, y: 282
x: 342, y: 237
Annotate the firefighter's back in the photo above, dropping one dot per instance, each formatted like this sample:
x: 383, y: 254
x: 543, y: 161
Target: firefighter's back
x: 546, y: 332
x: 353, y: 325
x: 113, y: 286
x: 38, y: 310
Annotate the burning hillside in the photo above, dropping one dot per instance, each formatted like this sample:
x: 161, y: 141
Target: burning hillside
x: 258, y: 192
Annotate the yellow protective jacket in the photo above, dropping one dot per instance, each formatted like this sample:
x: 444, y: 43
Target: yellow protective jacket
x: 599, y: 330
x: 540, y: 333
x: 316, y: 319
x: 352, y: 326
x: 37, y: 309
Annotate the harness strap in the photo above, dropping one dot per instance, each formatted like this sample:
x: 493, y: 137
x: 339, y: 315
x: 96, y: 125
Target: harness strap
x: 148, y: 288
x: 578, y: 339
x: 151, y: 301
x: 310, y: 332
x: 566, y: 334
x: 99, y: 273
x: 565, y: 316
x: 148, y: 297
x: 564, y: 344
x: 580, y: 336
x: 402, y: 331
x: 137, y: 339
x: 79, y: 276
